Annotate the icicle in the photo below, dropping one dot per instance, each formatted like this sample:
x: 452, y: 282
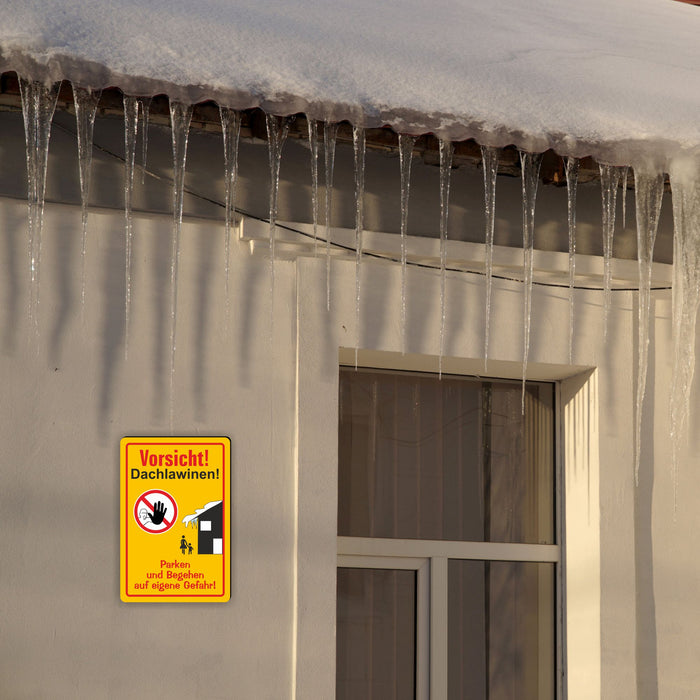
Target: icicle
x: 446, y: 152
x: 85, y: 102
x: 623, y: 178
x: 649, y: 190
x: 489, y: 157
x: 358, y: 143
x: 406, y: 144
x: 277, y: 128
x: 330, y: 133
x: 572, y: 166
x: 230, y: 130
x: 144, y: 108
x: 685, y: 181
x: 313, y: 147
x: 131, y: 120
x: 609, y: 182
x: 530, y: 171
x: 180, y: 118
x: 38, y: 105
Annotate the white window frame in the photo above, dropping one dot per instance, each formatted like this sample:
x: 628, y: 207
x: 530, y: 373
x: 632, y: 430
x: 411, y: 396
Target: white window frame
x: 432, y: 614
x: 430, y: 559
x: 424, y: 585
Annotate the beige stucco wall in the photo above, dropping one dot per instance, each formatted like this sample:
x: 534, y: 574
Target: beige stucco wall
x: 632, y: 608
x: 65, y: 634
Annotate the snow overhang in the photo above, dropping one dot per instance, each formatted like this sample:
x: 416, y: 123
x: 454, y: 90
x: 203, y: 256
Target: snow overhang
x: 619, y: 81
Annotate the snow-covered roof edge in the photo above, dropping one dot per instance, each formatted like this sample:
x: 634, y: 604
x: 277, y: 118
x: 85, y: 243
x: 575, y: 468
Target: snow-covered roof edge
x: 618, y: 81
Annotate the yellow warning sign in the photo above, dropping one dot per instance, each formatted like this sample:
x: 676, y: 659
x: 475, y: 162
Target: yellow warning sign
x: 175, y: 519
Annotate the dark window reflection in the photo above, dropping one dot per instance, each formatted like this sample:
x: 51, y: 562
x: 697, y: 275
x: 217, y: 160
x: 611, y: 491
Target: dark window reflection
x: 450, y: 459
x: 376, y: 634
x: 501, y: 630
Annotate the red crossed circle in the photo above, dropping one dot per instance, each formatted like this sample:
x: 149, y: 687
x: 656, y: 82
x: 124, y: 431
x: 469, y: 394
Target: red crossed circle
x: 147, y: 501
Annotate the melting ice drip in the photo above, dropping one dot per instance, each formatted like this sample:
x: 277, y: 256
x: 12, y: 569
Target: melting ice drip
x: 144, y: 110
x: 330, y: 134
x: 38, y: 105
x: 180, y: 118
x: 85, y: 102
x: 406, y: 144
x: 358, y: 142
x: 571, y: 169
x: 313, y: 148
x: 446, y: 153
x: 230, y: 130
x: 277, y: 128
x: 530, y: 168
x: 623, y: 180
x: 685, y: 181
x: 610, y: 176
x: 489, y: 160
x: 131, y: 121
x: 649, y: 192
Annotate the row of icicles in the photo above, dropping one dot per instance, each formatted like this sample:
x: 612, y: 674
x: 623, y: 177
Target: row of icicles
x: 38, y: 104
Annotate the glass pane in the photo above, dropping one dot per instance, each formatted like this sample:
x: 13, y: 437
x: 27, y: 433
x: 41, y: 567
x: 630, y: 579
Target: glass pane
x: 450, y: 459
x: 501, y: 631
x: 376, y: 634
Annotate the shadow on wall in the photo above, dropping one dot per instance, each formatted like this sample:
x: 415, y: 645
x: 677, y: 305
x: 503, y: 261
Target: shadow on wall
x: 207, y: 249
x: 112, y: 334
x: 62, y: 283
x: 14, y: 224
x: 246, y: 306
x: 645, y: 630
x: 158, y: 235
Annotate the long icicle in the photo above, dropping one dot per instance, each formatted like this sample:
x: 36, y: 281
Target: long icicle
x: 530, y: 172
x: 131, y: 120
x: 230, y: 130
x: 330, y: 134
x: 609, y: 181
x: 489, y: 158
x: 144, y: 109
x: 623, y: 180
x: 358, y: 144
x: 446, y: 153
x: 649, y: 190
x: 685, y: 182
x: 277, y: 129
x: 571, y: 168
x: 85, y: 102
x: 406, y: 144
x: 180, y: 118
x: 38, y: 105
x: 312, y: 126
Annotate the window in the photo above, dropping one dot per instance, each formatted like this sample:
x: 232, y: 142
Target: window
x: 447, y: 538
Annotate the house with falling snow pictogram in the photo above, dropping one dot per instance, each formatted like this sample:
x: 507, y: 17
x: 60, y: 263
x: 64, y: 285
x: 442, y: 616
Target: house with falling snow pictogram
x: 209, y: 521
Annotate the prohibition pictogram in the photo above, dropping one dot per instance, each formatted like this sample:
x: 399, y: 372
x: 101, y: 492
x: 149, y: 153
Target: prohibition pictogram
x: 155, y: 511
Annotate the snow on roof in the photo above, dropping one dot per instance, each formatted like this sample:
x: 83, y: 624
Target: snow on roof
x: 193, y: 517
x: 617, y: 79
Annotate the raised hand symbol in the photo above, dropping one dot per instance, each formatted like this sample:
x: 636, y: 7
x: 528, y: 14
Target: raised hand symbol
x: 159, y: 511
